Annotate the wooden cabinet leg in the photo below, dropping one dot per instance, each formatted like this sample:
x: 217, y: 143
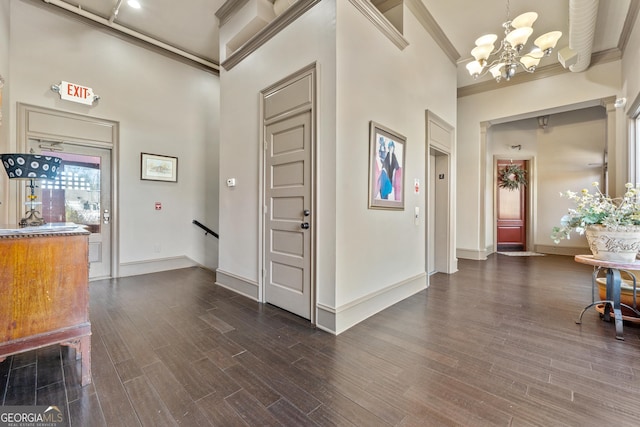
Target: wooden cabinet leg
x: 85, y: 350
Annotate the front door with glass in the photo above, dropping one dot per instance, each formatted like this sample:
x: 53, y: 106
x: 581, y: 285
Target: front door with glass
x: 81, y: 193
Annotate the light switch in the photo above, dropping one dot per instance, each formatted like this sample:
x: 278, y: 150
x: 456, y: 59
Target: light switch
x: 416, y: 216
x: 231, y: 182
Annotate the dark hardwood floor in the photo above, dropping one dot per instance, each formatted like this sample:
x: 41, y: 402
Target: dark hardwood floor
x: 494, y: 344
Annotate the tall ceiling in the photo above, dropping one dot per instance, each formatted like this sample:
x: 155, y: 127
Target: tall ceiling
x: 190, y: 26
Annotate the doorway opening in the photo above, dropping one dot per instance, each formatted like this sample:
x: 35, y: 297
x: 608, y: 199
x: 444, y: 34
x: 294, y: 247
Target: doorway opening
x: 84, y: 192
x: 512, y: 205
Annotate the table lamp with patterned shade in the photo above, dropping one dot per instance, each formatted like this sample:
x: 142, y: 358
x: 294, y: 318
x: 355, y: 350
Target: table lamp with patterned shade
x: 31, y: 167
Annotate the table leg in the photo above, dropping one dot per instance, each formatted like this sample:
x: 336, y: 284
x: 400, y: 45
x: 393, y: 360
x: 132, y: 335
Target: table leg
x: 613, y: 295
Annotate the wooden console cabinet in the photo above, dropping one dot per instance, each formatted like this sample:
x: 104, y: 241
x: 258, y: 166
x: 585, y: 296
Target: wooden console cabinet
x: 44, y: 291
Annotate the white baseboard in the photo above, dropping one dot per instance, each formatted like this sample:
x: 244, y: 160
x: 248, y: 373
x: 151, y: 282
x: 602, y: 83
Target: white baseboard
x: 241, y: 285
x: 347, y: 315
x: 562, y: 250
x: 155, y: 265
x: 478, y: 255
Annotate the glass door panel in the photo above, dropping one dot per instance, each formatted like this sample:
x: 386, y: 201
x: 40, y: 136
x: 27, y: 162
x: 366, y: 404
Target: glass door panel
x: 81, y: 193
x: 74, y: 196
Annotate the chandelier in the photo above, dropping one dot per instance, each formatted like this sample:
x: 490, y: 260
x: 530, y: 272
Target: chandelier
x: 503, y: 62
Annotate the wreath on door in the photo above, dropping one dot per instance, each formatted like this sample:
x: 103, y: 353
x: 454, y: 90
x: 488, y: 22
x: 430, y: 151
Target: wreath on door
x: 511, y: 177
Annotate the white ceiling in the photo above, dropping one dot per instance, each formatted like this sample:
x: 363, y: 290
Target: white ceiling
x: 191, y: 25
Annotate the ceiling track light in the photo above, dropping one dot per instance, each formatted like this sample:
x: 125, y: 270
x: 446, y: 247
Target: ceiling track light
x: 503, y: 62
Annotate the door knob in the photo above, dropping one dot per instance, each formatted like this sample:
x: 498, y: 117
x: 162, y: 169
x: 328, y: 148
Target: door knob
x: 306, y: 212
x: 304, y: 225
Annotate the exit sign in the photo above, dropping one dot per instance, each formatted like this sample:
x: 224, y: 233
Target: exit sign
x: 75, y: 93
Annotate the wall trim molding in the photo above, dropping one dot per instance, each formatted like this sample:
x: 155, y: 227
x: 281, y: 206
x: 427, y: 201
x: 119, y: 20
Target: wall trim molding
x: 338, y: 320
x: 228, y: 9
x: 475, y: 254
x: 268, y: 32
x: 429, y: 23
x: 380, y: 22
x: 597, y: 58
x: 522, y: 77
x: 562, y: 250
x: 625, y: 34
x: 136, y: 268
x: 237, y: 284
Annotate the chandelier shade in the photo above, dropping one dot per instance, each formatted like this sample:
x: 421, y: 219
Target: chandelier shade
x: 548, y: 41
x: 525, y: 20
x: 532, y: 59
x: 503, y: 62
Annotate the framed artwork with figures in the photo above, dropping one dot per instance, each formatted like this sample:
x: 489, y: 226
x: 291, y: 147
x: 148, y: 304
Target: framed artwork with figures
x: 386, y: 168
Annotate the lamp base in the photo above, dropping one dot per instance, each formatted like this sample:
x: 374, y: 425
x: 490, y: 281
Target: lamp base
x: 32, y: 219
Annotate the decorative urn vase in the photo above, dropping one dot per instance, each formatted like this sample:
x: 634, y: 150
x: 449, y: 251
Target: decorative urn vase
x: 613, y: 245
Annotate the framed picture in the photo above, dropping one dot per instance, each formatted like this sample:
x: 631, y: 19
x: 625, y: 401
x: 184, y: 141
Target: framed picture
x: 154, y: 167
x: 386, y: 168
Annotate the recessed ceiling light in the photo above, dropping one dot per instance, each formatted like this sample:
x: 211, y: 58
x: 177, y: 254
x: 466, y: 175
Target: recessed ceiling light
x: 134, y: 4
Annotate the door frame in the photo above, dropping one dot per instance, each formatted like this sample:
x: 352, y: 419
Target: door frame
x: 531, y: 208
x: 110, y: 141
x: 310, y: 70
x: 440, y: 142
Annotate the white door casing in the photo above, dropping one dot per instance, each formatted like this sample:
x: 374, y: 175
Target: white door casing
x: 288, y: 188
x: 49, y: 130
x: 440, y: 237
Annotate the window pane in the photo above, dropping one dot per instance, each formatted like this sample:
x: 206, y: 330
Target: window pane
x: 74, y: 196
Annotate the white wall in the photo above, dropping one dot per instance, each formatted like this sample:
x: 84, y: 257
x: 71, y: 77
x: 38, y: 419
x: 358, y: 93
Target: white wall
x: 311, y: 38
x: 379, y: 249
x: 365, y: 259
x: 163, y: 107
x: 562, y: 92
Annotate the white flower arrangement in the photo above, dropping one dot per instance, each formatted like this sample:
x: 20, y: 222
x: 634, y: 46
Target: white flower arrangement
x: 618, y: 214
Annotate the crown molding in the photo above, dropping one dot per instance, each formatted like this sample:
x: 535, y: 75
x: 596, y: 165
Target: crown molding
x: 634, y: 110
x: 604, y: 56
x: 625, y: 34
x: 597, y: 58
x: 429, y: 23
x: 228, y: 9
x: 541, y: 73
x: 381, y: 22
x: 386, y: 5
x: 267, y: 33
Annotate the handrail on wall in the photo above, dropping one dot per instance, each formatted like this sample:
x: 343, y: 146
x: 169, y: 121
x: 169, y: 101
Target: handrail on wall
x: 206, y: 229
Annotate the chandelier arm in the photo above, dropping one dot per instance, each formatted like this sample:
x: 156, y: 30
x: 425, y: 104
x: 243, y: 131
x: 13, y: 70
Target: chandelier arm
x: 503, y: 61
x: 533, y: 69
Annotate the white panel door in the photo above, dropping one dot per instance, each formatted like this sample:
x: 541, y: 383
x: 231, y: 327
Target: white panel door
x: 287, y: 222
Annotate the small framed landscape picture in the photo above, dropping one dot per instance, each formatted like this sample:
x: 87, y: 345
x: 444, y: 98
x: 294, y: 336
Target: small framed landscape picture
x: 154, y: 167
x: 386, y: 168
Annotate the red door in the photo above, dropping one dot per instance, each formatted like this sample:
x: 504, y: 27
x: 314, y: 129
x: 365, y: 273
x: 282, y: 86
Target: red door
x: 511, y: 210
